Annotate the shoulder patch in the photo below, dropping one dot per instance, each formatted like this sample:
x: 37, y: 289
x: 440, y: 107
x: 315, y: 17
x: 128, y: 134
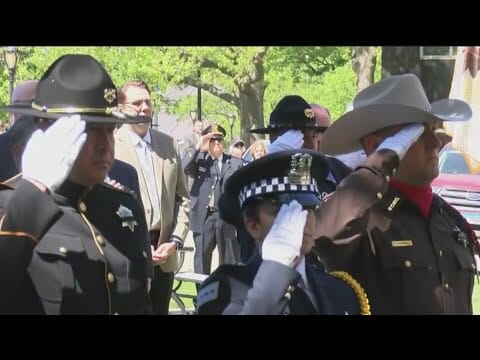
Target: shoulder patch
x: 208, y: 293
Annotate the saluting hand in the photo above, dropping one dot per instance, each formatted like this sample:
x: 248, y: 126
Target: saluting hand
x: 402, y: 140
x: 203, y: 142
x: 292, y: 139
x: 284, y: 240
x: 49, y: 155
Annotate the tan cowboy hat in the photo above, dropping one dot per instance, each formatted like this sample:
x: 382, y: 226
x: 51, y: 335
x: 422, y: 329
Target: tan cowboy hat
x: 398, y: 99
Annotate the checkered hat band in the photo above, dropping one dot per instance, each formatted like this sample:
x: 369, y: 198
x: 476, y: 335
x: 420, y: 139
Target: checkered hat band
x: 274, y: 185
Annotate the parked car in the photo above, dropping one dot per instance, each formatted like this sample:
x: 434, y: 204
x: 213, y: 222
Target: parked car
x: 459, y: 184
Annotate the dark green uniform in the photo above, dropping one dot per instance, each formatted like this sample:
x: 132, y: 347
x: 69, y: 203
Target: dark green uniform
x: 91, y: 253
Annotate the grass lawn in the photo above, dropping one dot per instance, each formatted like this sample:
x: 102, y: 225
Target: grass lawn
x: 186, y: 288
x: 189, y: 288
x: 476, y: 298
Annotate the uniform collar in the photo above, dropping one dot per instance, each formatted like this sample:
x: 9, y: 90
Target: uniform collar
x: 69, y: 193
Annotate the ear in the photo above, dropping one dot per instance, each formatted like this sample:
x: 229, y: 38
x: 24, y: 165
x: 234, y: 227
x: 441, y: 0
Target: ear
x: 370, y: 143
x: 252, y: 227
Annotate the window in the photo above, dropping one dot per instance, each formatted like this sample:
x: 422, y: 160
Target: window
x: 438, y: 52
x: 453, y: 162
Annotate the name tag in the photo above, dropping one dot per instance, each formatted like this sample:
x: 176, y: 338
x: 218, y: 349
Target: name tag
x: 202, y: 169
x: 401, y: 243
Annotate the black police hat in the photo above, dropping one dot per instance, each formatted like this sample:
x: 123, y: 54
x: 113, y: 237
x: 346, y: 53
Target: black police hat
x: 76, y: 84
x: 291, y: 112
x: 289, y: 175
x: 217, y: 131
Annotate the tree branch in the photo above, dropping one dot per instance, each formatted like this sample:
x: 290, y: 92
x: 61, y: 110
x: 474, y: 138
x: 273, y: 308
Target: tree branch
x: 212, y: 90
x: 207, y: 63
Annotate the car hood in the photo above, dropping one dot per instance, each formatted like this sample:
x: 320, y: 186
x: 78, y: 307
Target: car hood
x: 458, y: 181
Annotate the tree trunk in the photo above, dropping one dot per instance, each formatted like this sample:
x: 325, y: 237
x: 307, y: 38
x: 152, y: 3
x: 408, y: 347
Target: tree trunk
x: 251, y: 110
x: 363, y: 63
x: 251, y: 89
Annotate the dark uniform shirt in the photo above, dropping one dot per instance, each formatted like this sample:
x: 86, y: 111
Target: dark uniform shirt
x: 92, y: 253
x: 270, y: 288
x: 407, y: 264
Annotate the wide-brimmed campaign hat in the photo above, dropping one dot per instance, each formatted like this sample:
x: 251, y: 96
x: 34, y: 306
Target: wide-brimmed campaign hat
x: 76, y: 84
x: 291, y: 112
x: 286, y: 175
x: 396, y: 100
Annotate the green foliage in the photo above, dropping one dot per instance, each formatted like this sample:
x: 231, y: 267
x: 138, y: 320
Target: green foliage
x: 319, y: 74
x: 313, y: 61
x: 333, y: 89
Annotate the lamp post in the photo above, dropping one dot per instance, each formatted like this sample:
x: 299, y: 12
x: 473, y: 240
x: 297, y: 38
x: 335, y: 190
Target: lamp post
x: 193, y: 114
x: 199, y: 99
x: 10, y: 56
x: 231, y: 119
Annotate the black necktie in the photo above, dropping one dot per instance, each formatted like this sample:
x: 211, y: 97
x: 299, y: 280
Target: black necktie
x: 300, y: 303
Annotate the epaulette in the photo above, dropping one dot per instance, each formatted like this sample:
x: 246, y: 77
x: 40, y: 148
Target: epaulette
x: 472, y: 237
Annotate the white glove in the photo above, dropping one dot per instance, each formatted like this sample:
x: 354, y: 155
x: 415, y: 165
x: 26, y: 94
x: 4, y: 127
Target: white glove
x: 49, y: 156
x: 292, y: 139
x: 284, y: 240
x: 402, y: 140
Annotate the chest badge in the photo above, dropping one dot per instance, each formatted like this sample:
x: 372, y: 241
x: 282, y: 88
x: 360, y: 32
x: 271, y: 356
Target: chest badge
x: 126, y: 216
x: 460, y: 236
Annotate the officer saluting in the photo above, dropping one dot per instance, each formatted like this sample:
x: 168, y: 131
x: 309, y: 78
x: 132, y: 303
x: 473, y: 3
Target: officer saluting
x: 275, y: 197
x: 210, y: 168
x: 87, y: 241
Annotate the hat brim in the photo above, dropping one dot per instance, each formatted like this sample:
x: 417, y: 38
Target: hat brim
x: 231, y: 212
x: 344, y: 135
x: 22, y: 109
x: 269, y: 130
x: 217, y: 136
x: 304, y: 198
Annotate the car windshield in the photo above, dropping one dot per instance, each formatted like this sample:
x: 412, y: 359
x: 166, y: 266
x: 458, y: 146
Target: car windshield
x: 452, y: 162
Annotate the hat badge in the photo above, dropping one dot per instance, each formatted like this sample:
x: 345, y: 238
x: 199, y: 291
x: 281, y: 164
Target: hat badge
x: 309, y: 113
x: 214, y: 128
x: 109, y: 95
x: 299, y: 173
